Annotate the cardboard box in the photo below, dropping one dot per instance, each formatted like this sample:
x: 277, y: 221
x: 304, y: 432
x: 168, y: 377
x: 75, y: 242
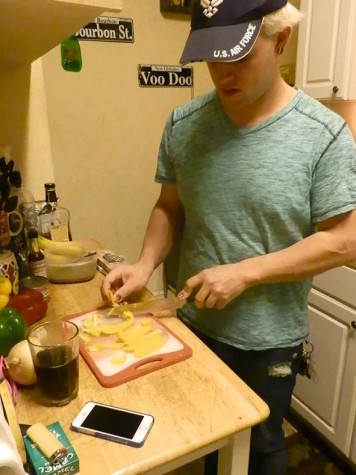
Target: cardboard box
x: 39, y: 464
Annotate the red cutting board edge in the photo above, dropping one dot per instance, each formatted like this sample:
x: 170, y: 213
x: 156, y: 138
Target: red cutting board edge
x: 139, y: 368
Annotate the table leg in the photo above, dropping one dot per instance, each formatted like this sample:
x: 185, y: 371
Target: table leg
x: 233, y: 458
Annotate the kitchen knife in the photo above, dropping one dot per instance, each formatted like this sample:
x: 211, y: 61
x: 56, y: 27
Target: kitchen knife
x: 150, y: 306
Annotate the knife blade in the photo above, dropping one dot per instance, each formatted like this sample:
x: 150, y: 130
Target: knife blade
x: 150, y: 306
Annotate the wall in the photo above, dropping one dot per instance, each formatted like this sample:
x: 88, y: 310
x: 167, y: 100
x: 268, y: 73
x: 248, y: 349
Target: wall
x: 104, y: 130
x: 24, y: 135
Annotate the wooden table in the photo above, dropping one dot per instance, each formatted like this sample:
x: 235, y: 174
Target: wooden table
x: 199, y: 405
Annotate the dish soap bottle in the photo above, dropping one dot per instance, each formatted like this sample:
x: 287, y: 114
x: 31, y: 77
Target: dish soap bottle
x: 54, y: 220
x: 71, y: 55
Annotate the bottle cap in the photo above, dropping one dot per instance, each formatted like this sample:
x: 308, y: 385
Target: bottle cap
x: 50, y: 186
x: 50, y: 189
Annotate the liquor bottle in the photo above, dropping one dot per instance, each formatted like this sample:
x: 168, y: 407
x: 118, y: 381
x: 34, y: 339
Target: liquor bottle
x: 35, y: 256
x: 54, y: 220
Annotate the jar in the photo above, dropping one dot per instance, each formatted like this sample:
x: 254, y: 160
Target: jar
x: 36, y: 282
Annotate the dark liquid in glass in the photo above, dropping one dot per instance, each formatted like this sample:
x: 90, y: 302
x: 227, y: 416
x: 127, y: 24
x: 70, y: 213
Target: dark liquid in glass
x: 57, y: 373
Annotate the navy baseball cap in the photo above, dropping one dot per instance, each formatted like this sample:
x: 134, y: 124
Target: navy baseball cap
x: 225, y: 30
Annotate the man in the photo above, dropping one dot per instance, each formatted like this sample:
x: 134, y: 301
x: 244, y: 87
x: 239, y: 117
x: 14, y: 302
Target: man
x: 258, y: 179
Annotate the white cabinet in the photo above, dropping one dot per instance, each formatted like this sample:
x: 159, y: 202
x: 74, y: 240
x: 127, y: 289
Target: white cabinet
x: 326, y: 59
x: 353, y: 444
x: 328, y: 401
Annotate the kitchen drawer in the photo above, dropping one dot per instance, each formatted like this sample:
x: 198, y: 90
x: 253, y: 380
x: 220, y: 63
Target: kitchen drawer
x: 339, y: 283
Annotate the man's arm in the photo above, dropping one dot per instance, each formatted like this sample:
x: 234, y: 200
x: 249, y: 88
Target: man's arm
x: 165, y: 224
x: 333, y: 245
x: 166, y: 221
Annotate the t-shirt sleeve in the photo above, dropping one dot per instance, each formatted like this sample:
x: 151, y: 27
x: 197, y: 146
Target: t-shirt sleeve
x: 165, y: 173
x: 334, y: 184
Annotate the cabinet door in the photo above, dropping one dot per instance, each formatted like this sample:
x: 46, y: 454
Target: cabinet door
x: 328, y: 401
x: 353, y: 443
x: 338, y: 283
x: 325, y: 48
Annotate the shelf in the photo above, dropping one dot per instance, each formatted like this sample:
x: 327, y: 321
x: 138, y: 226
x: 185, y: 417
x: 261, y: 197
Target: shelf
x: 31, y: 28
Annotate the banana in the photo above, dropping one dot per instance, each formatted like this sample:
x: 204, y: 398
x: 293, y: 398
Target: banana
x: 59, y: 248
x: 71, y: 251
x: 45, y: 243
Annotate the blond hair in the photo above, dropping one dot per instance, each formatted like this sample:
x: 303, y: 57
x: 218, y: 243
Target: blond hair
x: 279, y: 20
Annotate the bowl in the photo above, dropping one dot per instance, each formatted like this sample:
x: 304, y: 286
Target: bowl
x: 65, y: 269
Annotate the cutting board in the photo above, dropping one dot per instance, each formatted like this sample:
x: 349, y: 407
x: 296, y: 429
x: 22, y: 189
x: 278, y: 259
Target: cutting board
x: 109, y: 374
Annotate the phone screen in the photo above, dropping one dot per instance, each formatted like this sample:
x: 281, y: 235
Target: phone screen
x: 113, y: 421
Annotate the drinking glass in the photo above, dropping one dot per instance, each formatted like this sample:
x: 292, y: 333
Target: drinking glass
x: 55, y: 353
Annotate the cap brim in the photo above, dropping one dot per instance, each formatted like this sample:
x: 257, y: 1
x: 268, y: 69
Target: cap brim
x: 221, y: 43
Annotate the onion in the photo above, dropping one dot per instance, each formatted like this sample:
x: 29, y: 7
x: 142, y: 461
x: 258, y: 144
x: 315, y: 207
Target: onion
x: 20, y: 365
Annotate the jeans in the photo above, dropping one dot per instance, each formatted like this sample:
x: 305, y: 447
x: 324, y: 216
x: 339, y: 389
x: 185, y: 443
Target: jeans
x: 272, y: 375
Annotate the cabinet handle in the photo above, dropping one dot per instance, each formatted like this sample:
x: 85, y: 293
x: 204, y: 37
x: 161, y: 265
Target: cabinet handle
x: 353, y: 324
x: 335, y: 89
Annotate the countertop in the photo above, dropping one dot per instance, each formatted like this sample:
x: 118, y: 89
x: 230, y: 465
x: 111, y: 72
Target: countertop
x: 198, y: 404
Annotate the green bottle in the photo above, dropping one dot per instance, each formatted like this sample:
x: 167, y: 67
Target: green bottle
x: 71, y: 55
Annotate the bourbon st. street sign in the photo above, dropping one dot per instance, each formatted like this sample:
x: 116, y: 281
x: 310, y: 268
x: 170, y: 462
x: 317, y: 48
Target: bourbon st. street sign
x: 108, y: 29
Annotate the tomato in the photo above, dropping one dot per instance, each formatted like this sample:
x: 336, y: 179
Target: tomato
x: 25, y: 299
x: 12, y: 329
x: 30, y: 304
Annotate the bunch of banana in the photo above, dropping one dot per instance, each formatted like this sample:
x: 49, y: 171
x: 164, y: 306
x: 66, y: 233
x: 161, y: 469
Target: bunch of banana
x: 59, y: 248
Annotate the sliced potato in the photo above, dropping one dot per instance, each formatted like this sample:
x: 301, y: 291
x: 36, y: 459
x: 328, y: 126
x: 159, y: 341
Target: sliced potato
x: 118, y: 360
x: 84, y: 337
x: 112, y: 298
x: 87, y: 324
x: 129, y: 320
x: 95, y: 331
x: 150, y: 346
x: 94, y: 348
x: 143, y: 338
x: 110, y: 329
x: 112, y: 345
x: 140, y: 338
x: 134, y: 332
x: 146, y: 321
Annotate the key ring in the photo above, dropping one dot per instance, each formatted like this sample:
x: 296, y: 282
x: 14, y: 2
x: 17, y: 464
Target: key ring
x: 309, y: 344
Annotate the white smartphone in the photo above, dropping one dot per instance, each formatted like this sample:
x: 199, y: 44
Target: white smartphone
x: 113, y: 423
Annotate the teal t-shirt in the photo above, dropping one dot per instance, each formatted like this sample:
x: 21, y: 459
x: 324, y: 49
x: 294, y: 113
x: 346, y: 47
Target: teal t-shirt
x: 251, y: 191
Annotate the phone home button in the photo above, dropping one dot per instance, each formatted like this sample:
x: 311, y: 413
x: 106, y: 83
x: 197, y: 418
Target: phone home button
x: 143, y: 428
